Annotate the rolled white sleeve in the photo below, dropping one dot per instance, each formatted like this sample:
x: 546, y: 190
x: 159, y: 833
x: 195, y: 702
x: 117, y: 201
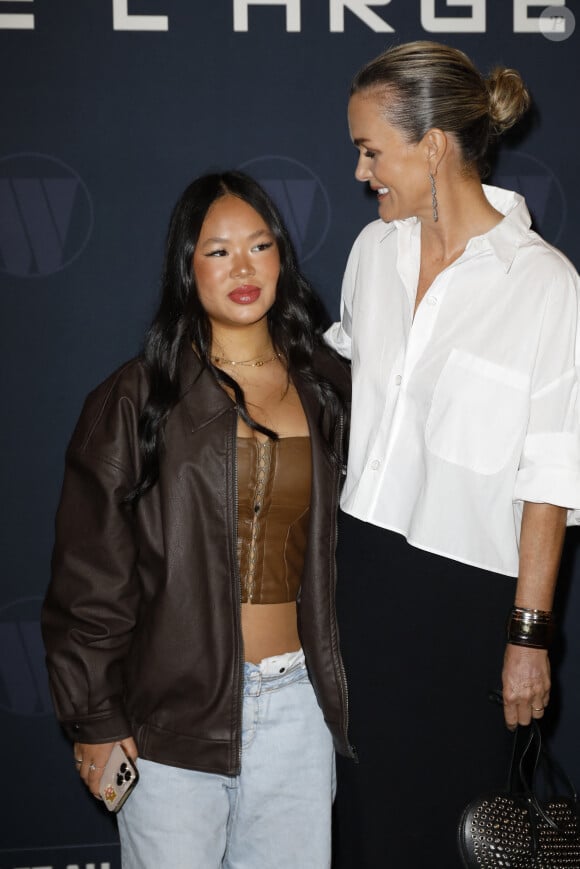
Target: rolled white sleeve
x: 549, y: 469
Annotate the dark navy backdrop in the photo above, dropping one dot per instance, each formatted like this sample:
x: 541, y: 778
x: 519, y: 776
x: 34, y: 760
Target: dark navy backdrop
x: 109, y: 108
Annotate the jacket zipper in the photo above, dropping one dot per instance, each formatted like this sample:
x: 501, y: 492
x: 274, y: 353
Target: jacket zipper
x: 238, y: 598
x: 344, y: 681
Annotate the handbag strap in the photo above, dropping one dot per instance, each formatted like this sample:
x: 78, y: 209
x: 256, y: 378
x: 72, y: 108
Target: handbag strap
x: 529, y: 753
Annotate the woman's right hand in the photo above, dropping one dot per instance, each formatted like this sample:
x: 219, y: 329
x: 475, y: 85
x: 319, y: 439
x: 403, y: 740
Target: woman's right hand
x: 91, y: 759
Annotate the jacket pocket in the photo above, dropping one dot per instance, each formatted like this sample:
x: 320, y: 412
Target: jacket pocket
x: 478, y: 413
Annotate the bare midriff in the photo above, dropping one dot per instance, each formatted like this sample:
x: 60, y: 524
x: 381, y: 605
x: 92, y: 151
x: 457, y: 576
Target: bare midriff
x: 269, y: 629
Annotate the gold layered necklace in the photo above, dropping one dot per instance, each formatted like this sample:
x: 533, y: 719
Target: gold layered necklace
x: 256, y: 362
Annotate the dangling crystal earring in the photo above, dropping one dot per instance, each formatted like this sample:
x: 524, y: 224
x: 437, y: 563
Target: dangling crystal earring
x: 434, y: 198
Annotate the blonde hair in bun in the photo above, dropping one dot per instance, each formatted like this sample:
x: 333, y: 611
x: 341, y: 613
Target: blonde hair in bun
x: 421, y: 85
x: 509, y: 98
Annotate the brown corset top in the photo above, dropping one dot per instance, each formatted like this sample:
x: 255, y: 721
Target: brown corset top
x: 274, y: 480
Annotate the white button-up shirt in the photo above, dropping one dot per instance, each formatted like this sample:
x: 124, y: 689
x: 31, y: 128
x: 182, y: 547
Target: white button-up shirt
x: 470, y: 408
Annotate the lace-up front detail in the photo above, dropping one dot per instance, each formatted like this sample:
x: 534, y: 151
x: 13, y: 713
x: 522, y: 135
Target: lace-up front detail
x: 274, y: 479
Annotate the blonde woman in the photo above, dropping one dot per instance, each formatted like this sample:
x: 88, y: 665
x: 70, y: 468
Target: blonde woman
x: 461, y: 323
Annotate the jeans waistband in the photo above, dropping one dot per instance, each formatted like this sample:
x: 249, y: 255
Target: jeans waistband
x: 278, y: 664
x: 274, y: 672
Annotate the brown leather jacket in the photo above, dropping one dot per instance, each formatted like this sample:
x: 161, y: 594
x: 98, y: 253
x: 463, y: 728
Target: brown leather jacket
x: 142, y: 618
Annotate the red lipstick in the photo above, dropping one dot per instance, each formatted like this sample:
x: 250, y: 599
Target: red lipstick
x: 245, y: 295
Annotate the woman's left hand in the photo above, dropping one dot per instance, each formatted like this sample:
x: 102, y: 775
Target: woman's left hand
x: 526, y: 671
x: 526, y: 684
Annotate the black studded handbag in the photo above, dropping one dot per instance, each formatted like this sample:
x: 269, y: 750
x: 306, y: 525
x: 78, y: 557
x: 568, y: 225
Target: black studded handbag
x: 529, y: 825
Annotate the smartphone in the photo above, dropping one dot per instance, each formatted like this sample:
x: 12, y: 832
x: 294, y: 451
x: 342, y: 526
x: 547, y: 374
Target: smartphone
x: 118, y: 780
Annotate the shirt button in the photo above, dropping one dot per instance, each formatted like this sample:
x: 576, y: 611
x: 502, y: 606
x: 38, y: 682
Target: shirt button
x: 432, y: 300
x: 398, y: 380
x: 375, y: 464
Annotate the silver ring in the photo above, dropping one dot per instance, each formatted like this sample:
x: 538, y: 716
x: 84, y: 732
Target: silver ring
x: 78, y: 760
x: 540, y: 709
x: 92, y: 767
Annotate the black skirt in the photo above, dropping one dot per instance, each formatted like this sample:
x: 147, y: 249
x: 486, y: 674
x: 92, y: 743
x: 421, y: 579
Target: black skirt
x: 423, y: 639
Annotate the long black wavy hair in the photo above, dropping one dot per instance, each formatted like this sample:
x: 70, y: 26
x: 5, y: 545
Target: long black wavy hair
x: 295, y: 320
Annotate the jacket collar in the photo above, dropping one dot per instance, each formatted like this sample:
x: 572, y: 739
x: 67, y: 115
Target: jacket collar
x: 204, y: 400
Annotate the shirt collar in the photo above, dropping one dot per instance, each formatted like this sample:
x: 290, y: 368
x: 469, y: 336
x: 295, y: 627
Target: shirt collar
x: 504, y: 239
x: 509, y: 234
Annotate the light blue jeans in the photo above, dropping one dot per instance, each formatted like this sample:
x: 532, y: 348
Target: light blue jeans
x: 275, y: 815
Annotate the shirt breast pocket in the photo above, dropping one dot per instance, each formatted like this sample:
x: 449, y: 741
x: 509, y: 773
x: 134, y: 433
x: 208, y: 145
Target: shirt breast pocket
x: 478, y: 413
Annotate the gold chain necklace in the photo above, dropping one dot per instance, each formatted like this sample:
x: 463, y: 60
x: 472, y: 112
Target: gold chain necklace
x: 256, y: 362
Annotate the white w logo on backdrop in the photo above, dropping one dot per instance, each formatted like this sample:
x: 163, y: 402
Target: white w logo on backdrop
x: 540, y: 187
x: 46, y: 215
x: 300, y: 197
x: 23, y: 679
x: 295, y: 199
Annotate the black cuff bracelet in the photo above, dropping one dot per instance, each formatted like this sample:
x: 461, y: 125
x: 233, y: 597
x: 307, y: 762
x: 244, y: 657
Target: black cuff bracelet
x: 531, y: 628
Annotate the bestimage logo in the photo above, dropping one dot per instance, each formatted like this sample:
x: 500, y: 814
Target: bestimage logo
x: 300, y: 197
x: 46, y: 215
x: 66, y: 857
x: 535, y: 181
x: 24, y: 692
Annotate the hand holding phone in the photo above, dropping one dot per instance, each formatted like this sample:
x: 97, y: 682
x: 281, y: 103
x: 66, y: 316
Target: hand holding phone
x: 118, y: 779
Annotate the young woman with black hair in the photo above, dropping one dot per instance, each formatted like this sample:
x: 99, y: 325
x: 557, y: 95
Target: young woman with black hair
x: 190, y: 616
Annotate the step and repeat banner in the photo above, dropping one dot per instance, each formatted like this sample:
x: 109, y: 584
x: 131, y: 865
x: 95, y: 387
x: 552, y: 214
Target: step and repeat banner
x: 109, y: 109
